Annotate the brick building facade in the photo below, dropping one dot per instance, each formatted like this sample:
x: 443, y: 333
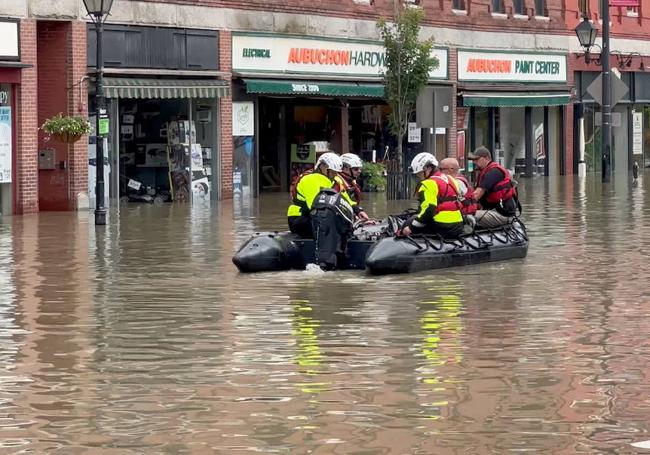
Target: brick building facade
x: 51, y: 73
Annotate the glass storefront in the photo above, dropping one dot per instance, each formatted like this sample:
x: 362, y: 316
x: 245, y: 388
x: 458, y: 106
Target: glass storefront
x: 509, y: 125
x: 293, y: 132
x: 593, y: 138
x: 6, y: 150
x: 645, y: 110
x: 158, y: 146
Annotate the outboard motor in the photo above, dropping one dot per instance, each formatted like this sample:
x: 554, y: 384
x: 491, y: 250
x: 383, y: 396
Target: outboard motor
x: 332, y: 220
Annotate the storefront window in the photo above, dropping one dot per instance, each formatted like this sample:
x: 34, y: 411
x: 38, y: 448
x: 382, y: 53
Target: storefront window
x: 539, y: 147
x: 593, y: 156
x: 6, y: 149
x: 511, y: 147
x: 205, y: 163
x: 159, y: 141
x: 481, y: 123
x: 646, y: 137
x: 554, y: 146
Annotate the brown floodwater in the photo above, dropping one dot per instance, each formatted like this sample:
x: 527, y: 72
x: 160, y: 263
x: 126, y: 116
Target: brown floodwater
x: 142, y: 337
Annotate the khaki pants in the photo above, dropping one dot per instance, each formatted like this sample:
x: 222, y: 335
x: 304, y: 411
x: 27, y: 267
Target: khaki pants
x: 490, y: 219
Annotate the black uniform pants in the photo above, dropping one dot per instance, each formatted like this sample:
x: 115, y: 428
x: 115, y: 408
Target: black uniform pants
x: 301, y: 226
x: 330, y: 235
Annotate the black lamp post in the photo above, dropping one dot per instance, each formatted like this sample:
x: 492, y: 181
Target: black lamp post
x: 98, y: 11
x: 586, y: 33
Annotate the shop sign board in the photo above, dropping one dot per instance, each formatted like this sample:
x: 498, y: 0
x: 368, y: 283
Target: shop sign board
x: 288, y: 54
x: 637, y: 133
x: 243, y: 118
x: 9, y: 31
x: 478, y: 66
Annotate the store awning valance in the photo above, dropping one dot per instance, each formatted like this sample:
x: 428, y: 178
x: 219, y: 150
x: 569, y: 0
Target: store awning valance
x: 515, y: 99
x: 164, y: 88
x: 313, y: 88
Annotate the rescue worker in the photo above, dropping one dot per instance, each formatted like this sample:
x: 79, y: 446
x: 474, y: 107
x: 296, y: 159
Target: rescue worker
x: 319, y: 212
x: 438, y: 194
x: 347, y: 181
x: 306, y: 188
x: 495, y: 191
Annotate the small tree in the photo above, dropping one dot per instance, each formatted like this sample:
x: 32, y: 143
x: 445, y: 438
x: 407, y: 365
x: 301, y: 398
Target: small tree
x: 408, y: 64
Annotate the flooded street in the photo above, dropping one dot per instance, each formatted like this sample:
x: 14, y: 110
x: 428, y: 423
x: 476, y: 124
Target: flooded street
x: 144, y: 338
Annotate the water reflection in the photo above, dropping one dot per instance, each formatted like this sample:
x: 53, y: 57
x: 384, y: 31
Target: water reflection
x: 143, y: 338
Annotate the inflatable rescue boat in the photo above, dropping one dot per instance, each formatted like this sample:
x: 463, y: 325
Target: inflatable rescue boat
x: 376, y: 249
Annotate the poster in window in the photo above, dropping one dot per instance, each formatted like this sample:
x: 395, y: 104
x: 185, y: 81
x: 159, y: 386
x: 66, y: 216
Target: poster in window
x: 637, y: 133
x: 243, y: 119
x: 5, y: 144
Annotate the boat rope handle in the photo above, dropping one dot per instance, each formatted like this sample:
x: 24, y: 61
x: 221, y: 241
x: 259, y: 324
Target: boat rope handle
x: 429, y: 242
x: 412, y: 241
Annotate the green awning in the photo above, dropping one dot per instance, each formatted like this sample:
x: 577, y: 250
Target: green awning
x: 313, y: 88
x: 164, y: 88
x: 515, y: 99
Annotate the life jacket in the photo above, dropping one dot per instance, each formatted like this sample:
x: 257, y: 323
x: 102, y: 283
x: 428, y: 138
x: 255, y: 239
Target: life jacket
x: 503, y: 190
x: 293, y: 191
x: 448, y: 197
x: 353, y: 188
x: 304, y: 190
x: 469, y: 205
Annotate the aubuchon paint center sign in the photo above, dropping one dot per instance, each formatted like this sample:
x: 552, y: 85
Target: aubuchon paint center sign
x: 511, y: 67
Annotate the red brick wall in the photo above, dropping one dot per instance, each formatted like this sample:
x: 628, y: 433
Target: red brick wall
x: 623, y: 25
x: 77, y: 105
x: 26, y: 185
x: 225, y: 117
x: 53, y: 99
x: 438, y: 12
x: 62, y: 89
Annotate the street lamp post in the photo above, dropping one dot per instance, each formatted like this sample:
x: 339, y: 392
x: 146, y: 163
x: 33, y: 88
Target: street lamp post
x: 586, y: 33
x: 98, y: 11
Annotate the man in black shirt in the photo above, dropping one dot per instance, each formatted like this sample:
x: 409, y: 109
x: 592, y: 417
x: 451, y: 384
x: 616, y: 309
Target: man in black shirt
x: 495, y: 191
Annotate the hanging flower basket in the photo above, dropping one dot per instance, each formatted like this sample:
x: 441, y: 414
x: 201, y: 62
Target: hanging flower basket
x: 67, y: 137
x: 66, y: 129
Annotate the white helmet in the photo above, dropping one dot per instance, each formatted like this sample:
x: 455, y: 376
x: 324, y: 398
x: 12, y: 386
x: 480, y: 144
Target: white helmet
x: 331, y: 160
x: 351, y: 160
x: 421, y: 160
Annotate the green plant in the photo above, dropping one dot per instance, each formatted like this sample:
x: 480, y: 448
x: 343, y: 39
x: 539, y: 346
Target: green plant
x: 408, y: 64
x: 374, y: 176
x: 74, y: 126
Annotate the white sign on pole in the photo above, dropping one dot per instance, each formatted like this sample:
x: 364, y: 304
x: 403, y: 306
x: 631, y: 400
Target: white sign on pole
x: 5, y: 144
x: 243, y: 118
x: 275, y: 53
x: 637, y: 133
x: 414, y: 133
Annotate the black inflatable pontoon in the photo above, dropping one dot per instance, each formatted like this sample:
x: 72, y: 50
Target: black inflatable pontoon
x: 376, y: 249
x: 417, y: 253
x: 268, y: 251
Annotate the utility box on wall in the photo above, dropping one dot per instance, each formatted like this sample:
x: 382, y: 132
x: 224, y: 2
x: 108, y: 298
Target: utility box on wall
x: 46, y: 159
